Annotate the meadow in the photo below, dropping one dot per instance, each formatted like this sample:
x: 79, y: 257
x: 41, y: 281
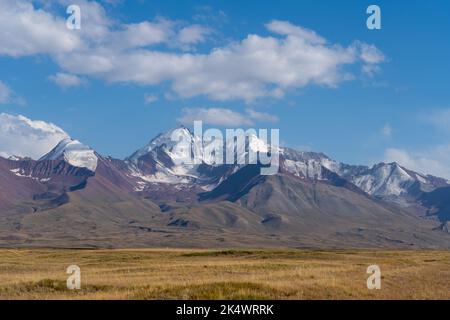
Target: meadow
x: 223, y: 274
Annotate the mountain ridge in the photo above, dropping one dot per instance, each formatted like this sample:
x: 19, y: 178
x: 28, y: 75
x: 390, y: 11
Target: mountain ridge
x: 320, y: 198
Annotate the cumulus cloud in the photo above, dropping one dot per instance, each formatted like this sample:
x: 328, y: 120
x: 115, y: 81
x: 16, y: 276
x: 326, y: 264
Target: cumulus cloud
x: 96, y: 26
x: 371, y: 56
x: 193, y: 34
x: 252, y: 68
x: 150, y: 98
x: 287, y: 29
x: 261, y: 116
x: 143, y: 34
x: 5, y: 93
x: 65, y: 80
x: 434, y: 161
x: 369, y: 53
x: 224, y: 117
x: 386, y: 130
x: 440, y: 119
x: 25, y: 30
x: 154, y: 52
x: 20, y: 136
x: 214, y: 116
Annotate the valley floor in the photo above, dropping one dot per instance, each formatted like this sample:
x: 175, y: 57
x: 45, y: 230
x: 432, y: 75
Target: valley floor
x: 223, y: 274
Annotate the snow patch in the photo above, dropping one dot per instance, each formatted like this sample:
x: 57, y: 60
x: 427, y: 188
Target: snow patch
x: 74, y: 153
x: 21, y: 173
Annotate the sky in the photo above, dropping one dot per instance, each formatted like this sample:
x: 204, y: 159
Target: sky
x: 311, y: 69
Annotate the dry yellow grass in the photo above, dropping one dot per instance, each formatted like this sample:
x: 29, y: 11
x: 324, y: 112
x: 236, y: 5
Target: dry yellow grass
x: 223, y: 274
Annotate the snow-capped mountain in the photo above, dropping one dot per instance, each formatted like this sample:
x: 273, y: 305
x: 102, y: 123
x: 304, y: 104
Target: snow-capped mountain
x: 75, y: 153
x: 391, y: 179
x: 388, y: 181
x: 163, y: 161
x: 22, y: 137
x: 180, y: 157
x: 307, y: 165
x: 158, y: 187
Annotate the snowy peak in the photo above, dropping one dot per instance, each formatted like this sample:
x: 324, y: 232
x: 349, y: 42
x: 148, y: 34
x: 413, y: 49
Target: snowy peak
x: 171, y: 143
x: 21, y: 137
x: 181, y: 142
x: 17, y: 158
x: 392, y: 181
x: 74, y: 153
x: 385, y: 180
x: 163, y: 159
x: 182, y: 156
x: 308, y: 165
x: 304, y: 156
x: 389, y: 181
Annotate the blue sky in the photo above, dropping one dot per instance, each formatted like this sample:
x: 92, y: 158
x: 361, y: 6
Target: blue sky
x: 396, y: 111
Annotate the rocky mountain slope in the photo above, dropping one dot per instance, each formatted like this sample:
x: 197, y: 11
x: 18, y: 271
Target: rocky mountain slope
x: 74, y: 196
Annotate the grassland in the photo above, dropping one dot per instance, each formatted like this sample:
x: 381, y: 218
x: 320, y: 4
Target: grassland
x: 223, y: 274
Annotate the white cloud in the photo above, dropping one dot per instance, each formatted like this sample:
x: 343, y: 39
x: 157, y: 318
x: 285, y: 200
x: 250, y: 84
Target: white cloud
x: 370, y: 54
x: 5, y: 93
x: 434, y: 161
x: 65, y: 80
x: 95, y: 23
x: 144, y: 34
x: 248, y: 69
x: 150, y: 98
x: 287, y: 29
x: 386, y: 130
x: 23, y: 137
x: 214, y: 116
x: 245, y: 70
x: 224, y: 117
x: 370, y: 69
x: 193, y: 34
x: 261, y: 116
x: 25, y: 30
x: 440, y: 119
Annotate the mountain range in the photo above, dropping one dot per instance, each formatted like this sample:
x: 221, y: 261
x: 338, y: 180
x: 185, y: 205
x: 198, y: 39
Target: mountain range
x: 75, y: 197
